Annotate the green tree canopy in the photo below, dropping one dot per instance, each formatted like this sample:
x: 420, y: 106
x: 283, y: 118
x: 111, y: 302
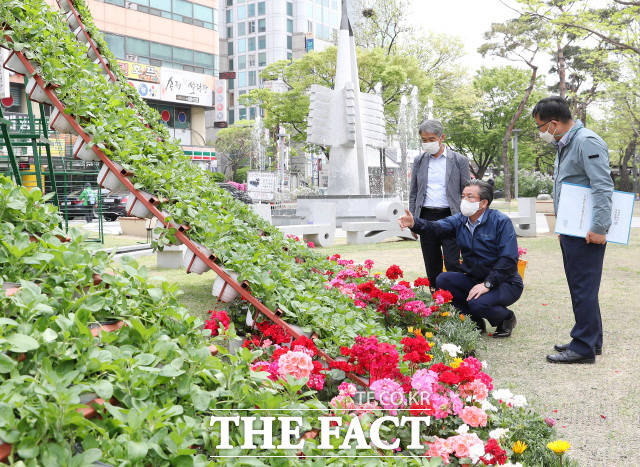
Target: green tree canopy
x: 234, y: 146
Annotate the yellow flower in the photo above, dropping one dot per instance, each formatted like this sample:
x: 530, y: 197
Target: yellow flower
x: 456, y: 362
x: 445, y: 313
x: 431, y: 344
x: 410, y: 329
x: 559, y: 446
x: 428, y: 335
x: 519, y: 447
x: 418, y: 332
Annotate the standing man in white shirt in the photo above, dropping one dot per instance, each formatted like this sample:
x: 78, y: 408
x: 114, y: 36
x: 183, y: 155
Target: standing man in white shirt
x: 438, y: 177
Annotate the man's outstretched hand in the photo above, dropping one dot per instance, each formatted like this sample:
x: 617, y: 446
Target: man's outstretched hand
x: 406, y: 220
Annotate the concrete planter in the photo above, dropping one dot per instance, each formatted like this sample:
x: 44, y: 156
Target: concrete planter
x: 109, y: 181
x: 13, y: 63
x: 134, y: 226
x: 229, y: 293
x: 551, y: 222
x: 82, y: 151
x: 59, y: 123
x: 545, y: 207
x: 135, y: 208
x: 192, y: 263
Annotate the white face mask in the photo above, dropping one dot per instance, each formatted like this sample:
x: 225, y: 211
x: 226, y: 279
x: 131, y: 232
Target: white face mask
x: 468, y: 208
x: 547, y: 137
x: 431, y: 148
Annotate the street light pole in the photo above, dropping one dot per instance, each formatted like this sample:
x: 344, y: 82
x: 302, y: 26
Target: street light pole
x: 514, y: 134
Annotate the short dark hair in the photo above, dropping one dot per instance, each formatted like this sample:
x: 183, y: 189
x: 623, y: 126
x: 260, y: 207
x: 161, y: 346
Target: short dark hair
x: 552, y: 108
x: 486, y: 190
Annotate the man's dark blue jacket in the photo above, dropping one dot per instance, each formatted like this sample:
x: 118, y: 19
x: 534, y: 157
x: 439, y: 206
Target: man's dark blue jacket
x: 491, y: 254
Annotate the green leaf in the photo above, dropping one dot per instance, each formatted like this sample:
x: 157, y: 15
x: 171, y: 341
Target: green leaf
x: 136, y: 450
x: 22, y: 343
x: 6, y: 363
x: 104, y: 389
x: 28, y: 448
x: 49, y: 335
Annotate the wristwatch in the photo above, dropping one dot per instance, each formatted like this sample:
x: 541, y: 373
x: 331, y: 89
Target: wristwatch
x: 488, y: 285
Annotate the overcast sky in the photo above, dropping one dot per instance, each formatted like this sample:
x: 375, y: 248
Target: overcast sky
x: 467, y: 19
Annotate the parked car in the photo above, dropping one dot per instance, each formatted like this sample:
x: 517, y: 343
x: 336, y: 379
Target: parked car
x: 113, y: 206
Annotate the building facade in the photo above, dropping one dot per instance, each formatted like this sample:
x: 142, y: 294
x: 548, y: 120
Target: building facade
x: 169, y: 51
x: 254, y: 34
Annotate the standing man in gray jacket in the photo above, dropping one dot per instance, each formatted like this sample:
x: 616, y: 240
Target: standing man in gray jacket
x: 582, y: 158
x: 438, y: 177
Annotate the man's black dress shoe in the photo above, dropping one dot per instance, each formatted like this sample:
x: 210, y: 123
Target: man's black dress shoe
x: 569, y: 356
x: 563, y: 347
x: 504, y: 329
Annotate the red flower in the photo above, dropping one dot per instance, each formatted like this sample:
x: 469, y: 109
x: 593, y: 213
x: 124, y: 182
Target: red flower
x: 421, y: 281
x: 421, y: 409
x: 405, y: 283
x: 497, y: 454
x: 448, y: 377
x: 388, y: 298
x: 278, y: 353
x: 394, y: 272
x: 217, y: 318
x: 306, y: 343
x: 442, y: 296
x: 416, y: 349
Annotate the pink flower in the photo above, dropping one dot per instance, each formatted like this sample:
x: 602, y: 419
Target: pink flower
x: 440, y: 405
x: 474, y: 416
x: 550, y: 421
x: 343, y: 403
x: 463, y: 444
x: 440, y: 448
x: 316, y: 381
x: 424, y: 381
x: 367, y: 407
x: 418, y: 307
x: 404, y: 293
x: 360, y: 304
x: 389, y: 393
x: 368, y: 263
x: 476, y: 389
x: 297, y: 364
x: 347, y: 389
x: 311, y: 244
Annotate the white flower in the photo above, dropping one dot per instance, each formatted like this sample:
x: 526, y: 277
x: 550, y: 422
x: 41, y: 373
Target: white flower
x: 476, y: 451
x: 518, y: 401
x: 488, y: 406
x: 452, y: 349
x: 462, y: 429
x: 485, y: 365
x: 498, y: 433
x: 502, y: 395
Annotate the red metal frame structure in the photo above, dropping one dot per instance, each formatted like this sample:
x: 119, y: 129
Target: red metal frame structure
x: 180, y: 229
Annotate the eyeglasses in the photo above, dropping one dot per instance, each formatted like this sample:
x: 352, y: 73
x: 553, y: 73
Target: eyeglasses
x: 543, y: 124
x: 471, y: 197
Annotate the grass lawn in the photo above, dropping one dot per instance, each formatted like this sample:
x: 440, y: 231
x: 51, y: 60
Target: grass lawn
x: 597, y: 407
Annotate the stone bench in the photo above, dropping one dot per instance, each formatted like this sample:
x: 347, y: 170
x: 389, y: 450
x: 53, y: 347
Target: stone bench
x: 359, y: 233
x: 320, y: 227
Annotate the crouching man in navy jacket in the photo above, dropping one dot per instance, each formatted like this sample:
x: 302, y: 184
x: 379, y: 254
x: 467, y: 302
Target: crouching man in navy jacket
x: 487, y: 240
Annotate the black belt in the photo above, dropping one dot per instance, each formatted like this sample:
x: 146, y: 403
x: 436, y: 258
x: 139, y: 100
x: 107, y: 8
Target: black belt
x: 436, y: 209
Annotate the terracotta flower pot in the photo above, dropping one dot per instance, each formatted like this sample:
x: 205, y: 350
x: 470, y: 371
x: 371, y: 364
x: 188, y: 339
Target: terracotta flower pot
x: 13, y: 63
x: 82, y: 151
x: 193, y: 264
x: 59, y: 123
x: 135, y: 208
x: 109, y: 180
x: 225, y: 294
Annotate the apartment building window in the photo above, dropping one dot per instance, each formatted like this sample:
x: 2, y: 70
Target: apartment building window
x: 262, y: 42
x: 116, y: 44
x: 252, y: 60
x: 178, y: 10
x: 229, y: 2
x: 241, y: 29
x: 251, y: 10
x: 242, y: 46
x: 229, y: 16
x: 261, y: 8
x: 251, y: 27
x: 252, y: 113
x: 229, y: 32
x: 242, y: 114
x: 230, y: 64
x: 290, y: 26
x: 229, y: 48
x: 289, y: 56
x: 252, y: 78
x: 230, y: 118
x: 309, y: 26
x: 242, y: 12
x: 262, y: 25
x: 137, y: 47
x: 242, y: 79
x: 182, y: 8
x: 251, y: 44
x: 289, y: 42
x: 242, y: 62
x: 262, y: 59
x: 289, y: 9
x: 161, y: 51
